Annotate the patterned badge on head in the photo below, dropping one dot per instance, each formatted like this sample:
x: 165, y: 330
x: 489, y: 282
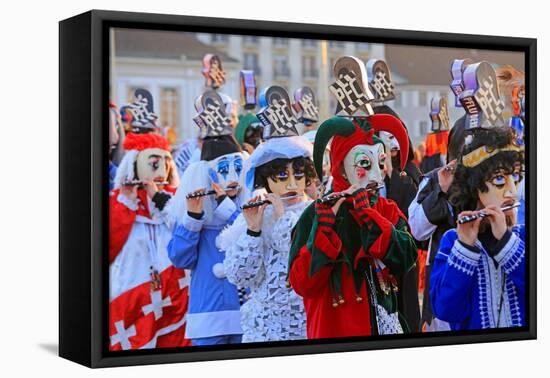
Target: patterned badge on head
x: 351, y: 88
x: 212, y: 118
x: 276, y: 113
x: 306, y: 105
x: 248, y: 89
x: 142, y: 112
x: 481, y: 97
x: 457, y: 85
x: 439, y: 114
x: 380, y: 80
x: 212, y: 71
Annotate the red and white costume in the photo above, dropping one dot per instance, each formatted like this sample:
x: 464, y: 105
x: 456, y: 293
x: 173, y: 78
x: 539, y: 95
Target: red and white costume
x: 142, y: 312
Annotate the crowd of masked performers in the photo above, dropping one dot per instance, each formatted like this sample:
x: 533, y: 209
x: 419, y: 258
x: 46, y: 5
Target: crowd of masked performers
x: 278, y: 225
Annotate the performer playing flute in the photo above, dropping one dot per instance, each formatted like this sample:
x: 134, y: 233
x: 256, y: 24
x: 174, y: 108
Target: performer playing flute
x: 213, y: 316
x: 347, y: 258
x: 478, y: 275
x: 257, y: 245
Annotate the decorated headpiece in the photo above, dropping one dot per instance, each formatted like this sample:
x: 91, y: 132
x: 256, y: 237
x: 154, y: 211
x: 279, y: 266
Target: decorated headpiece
x: 457, y: 84
x: 484, y: 108
x: 143, y: 117
x: 437, y: 141
x: 306, y: 105
x: 380, y: 81
x: 351, y: 88
x: 248, y: 89
x: 212, y: 71
x: 439, y: 114
x: 212, y: 118
x: 481, y: 97
x: 276, y: 113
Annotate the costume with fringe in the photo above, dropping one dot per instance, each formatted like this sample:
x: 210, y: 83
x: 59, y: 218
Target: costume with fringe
x: 346, y: 266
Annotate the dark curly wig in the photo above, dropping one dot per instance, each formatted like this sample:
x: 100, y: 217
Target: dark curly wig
x: 463, y: 192
x: 273, y: 167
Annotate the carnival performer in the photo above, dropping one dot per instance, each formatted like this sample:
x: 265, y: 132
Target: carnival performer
x: 207, y: 201
x: 148, y: 295
x: 257, y: 245
x: 249, y: 132
x: 478, y: 275
x: 346, y: 258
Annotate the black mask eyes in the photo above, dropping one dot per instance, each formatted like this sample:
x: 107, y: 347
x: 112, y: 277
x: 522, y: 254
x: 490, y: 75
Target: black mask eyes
x: 363, y: 163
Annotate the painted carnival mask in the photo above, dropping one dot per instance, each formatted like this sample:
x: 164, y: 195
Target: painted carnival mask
x: 288, y: 182
x: 390, y: 141
x: 153, y: 164
x: 364, y: 164
x: 226, y: 169
x: 502, y: 189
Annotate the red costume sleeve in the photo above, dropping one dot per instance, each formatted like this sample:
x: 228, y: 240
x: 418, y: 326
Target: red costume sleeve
x: 306, y: 285
x: 121, y: 220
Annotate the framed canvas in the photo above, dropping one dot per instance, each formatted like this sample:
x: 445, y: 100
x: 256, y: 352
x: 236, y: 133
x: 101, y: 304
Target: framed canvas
x: 237, y: 188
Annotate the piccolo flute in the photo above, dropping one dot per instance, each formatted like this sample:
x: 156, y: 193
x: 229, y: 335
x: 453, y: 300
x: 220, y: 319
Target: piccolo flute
x: 209, y: 192
x: 139, y: 182
x: 250, y: 205
x: 481, y: 214
x: 332, y: 197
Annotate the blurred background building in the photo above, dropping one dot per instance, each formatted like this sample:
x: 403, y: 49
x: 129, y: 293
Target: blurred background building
x: 169, y: 65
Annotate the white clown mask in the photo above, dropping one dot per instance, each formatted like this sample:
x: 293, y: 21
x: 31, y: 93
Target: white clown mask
x: 226, y: 169
x: 153, y: 164
x: 390, y: 141
x: 364, y: 164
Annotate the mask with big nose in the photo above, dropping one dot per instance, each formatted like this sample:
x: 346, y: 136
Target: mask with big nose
x: 153, y: 164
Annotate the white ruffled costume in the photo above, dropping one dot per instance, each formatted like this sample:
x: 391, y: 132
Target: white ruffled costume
x: 273, y: 312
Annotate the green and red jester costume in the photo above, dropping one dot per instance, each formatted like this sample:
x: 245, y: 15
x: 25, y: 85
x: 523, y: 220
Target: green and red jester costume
x: 346, y: 266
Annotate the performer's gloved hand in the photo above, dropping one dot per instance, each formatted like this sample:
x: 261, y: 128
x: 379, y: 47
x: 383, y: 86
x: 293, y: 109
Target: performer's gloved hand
x: 361, y: 199
x: 366, y: 213
x: 326, y: 218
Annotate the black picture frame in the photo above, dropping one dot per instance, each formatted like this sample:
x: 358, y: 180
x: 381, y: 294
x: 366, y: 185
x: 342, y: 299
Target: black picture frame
x: 83, y: 233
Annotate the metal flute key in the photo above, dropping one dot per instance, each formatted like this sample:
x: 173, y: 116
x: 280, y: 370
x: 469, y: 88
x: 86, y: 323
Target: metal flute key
x: 332, y: 197
x: 250, y: 205
x: 208, y: 192
x: 481, y: 214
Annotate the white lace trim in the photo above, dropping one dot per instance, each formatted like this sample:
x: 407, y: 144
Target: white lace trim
x: 274, y: 311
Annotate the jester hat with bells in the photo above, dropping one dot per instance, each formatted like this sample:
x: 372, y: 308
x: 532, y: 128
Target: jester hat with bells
x: 348, y: 133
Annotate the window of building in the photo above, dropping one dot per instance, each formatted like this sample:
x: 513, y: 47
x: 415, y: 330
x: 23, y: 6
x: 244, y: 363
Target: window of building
x: 280, y: 41
x: 169, y: 106
x: 169, y: 112
x: 336, y: 44
x: 220, y: 38
x: 251, y: 39
x: 309, y: 43
x: 280, y: 66
x: 309, y: 66
x: 363, y: 46
x: 422, y: 98
x: 251, y: 62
